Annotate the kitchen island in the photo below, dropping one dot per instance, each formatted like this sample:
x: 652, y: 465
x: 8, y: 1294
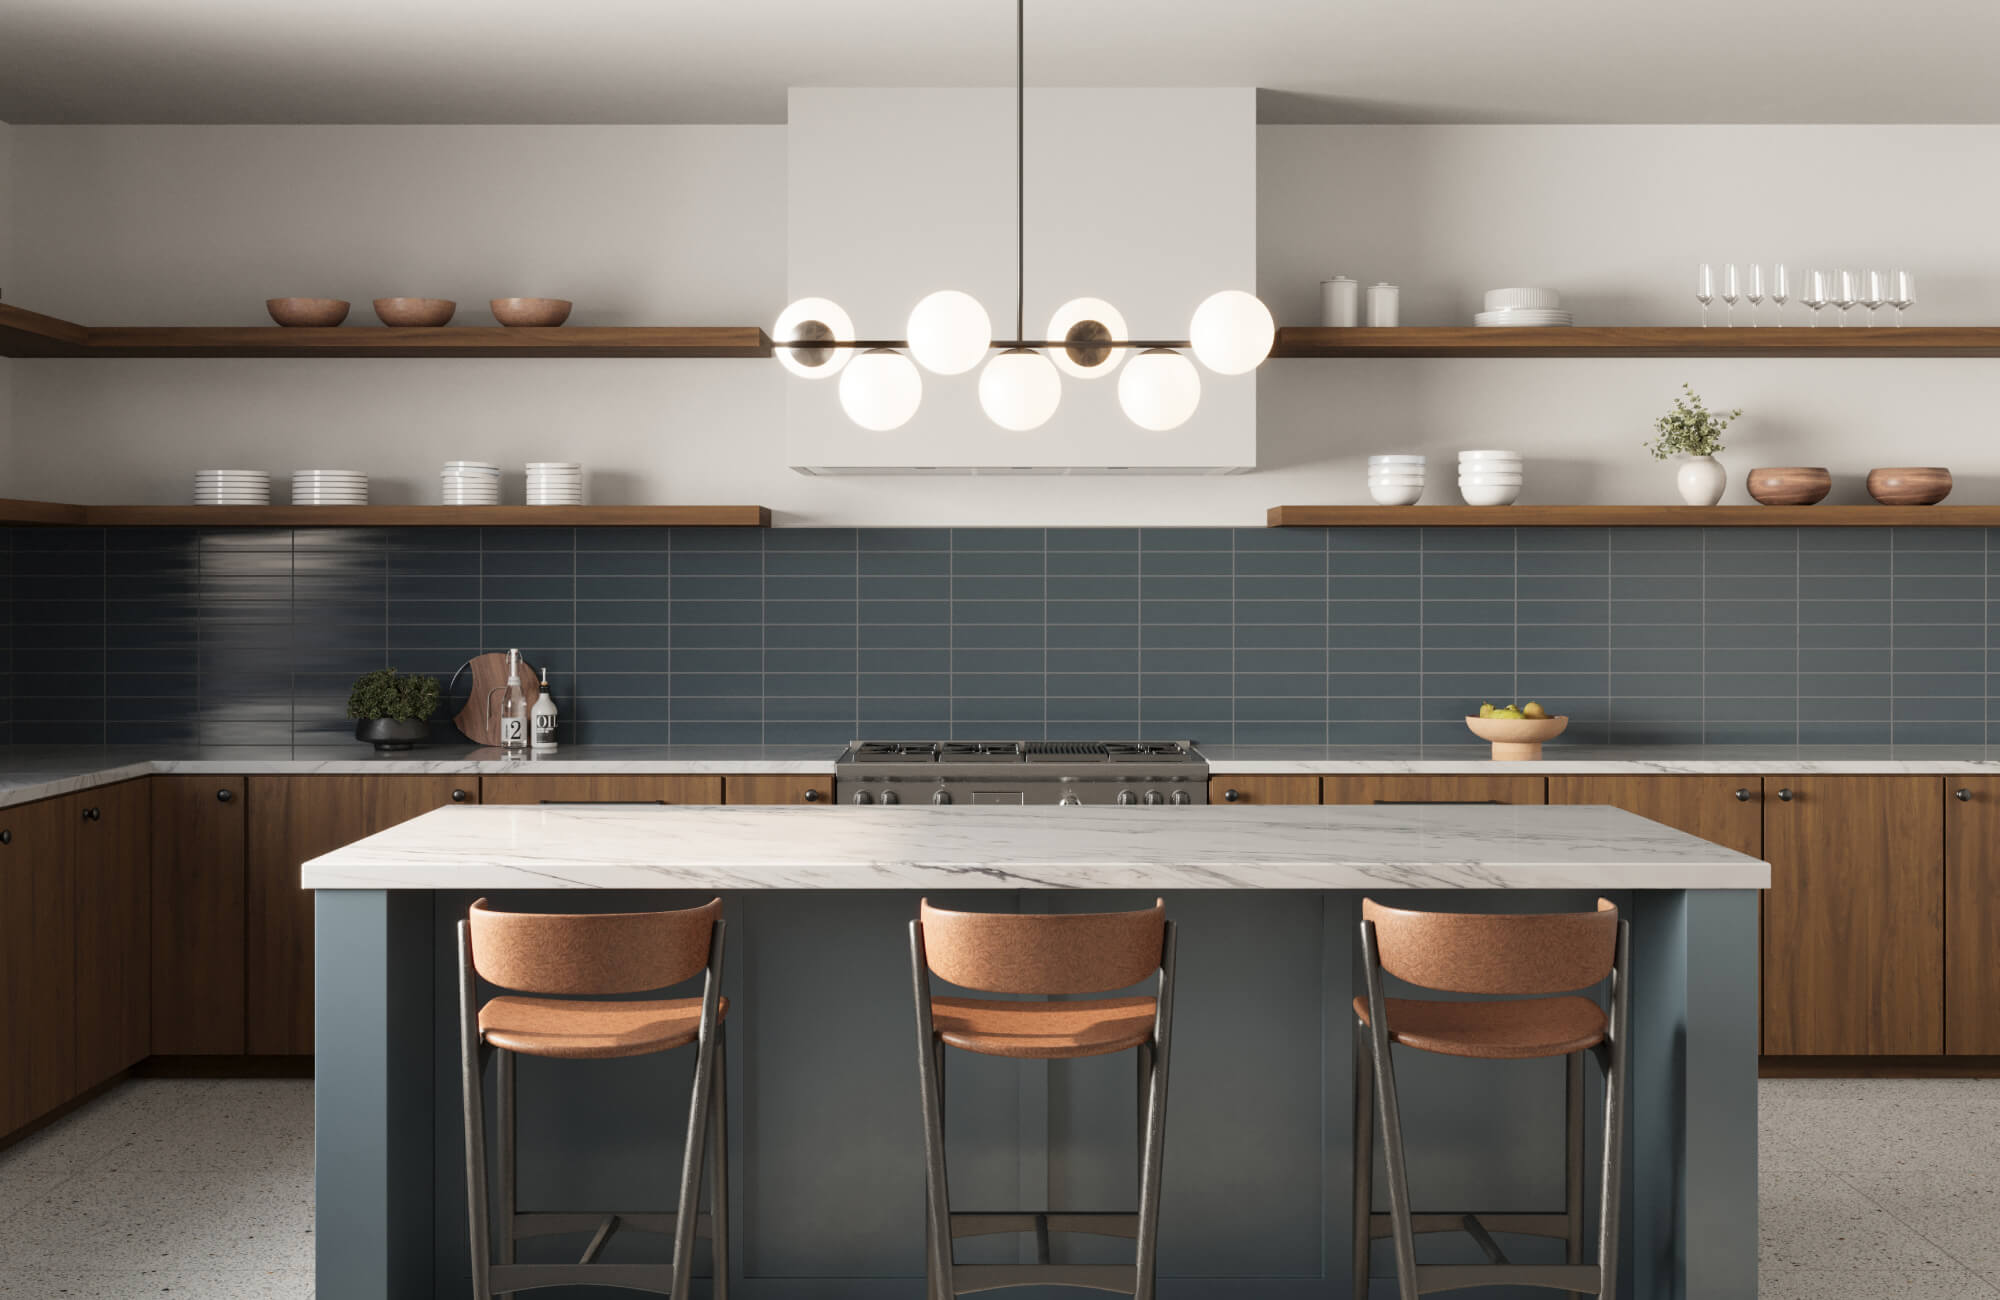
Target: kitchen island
x: 828, y: 1175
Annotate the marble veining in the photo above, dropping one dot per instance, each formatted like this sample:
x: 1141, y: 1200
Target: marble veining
x: 1216, y: 847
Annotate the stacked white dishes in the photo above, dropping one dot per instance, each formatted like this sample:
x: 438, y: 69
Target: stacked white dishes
x: 470, y: 483
x: 555, y: 483
x: 329, y: 487
x: 1395, y: 480
x: 232, y: 487
x: 1518, y: 307
x: 1489, y: 478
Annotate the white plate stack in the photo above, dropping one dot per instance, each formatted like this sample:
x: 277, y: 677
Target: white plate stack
x: 1395, y: 480
x: 1514, y: 308
x: 470, y: 483
x: 1489, y: 478
x: 232, y: 487
x: 555, y: 483
x: 329, y: 487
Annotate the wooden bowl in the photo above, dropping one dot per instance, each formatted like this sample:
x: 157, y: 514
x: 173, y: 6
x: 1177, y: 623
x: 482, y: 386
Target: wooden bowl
x: 307, y: 311
x: 414, y: 311
x: 1916, y: 485
x: 1790, y: 485
x: 531, y: 311
x: 1517, y: 739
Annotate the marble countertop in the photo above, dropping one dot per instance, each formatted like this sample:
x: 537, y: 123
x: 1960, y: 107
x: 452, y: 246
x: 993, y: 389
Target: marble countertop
x: 648, y: 846
x: 1730, y: 760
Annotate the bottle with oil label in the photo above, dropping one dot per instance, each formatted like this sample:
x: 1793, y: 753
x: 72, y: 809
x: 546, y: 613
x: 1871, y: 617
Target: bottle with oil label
x: 543, y: 718
x: 514, y: 707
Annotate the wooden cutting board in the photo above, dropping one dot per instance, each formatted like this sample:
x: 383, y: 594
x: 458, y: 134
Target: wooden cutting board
x: 479, y: 720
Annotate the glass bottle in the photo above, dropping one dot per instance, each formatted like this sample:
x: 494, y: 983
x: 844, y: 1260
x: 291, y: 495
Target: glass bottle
x: 514, y: 707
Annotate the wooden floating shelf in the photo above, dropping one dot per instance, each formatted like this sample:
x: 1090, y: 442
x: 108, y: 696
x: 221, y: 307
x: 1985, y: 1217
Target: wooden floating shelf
x: 49, y: 512
x: 1633, y: 516
x: 30, y: 334
x: 1637, y: 341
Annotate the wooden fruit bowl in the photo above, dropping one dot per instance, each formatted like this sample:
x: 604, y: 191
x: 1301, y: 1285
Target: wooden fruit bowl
x: 1517, y: 740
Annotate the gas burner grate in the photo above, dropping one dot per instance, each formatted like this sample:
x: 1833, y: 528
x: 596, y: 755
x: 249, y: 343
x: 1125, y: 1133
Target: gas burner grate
x: 979, y: 751
x: 893, y: 751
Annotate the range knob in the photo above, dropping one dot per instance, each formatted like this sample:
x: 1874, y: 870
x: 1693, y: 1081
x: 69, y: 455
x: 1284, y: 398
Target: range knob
x: 1181, y: 796
x: 1127, y: 798
x: 1069, y: 800
x: 862, y: 796
x: 1154, y: 796
x: 889, y: 796
x: 940, y: 796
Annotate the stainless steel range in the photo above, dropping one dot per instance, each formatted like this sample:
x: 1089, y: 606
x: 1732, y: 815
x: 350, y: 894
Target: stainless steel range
x: 1069, y: 772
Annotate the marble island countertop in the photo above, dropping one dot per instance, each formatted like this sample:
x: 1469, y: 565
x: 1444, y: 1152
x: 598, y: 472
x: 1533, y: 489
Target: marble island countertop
x: 632, y: 846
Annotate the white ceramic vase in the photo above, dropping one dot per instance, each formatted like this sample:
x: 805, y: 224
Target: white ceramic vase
x: 1702, y: 480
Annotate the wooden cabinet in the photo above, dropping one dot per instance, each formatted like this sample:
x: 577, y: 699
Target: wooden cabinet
x: 1854, y: 925
x: 113, y: 904
x: 815, y: 790
x: 1263, y: 789
x: 291, y: 819
x: 1972, y: 915
x: 1472, y: 788
x: 609, y: 788
x: 198, y: 898
x: 1725, y: 810
x: 37, y: 961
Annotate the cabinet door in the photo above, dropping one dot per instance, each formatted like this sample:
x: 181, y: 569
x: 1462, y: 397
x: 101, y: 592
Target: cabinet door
x: 114, y: 939
x: 1435, y: 789
x: 1853, y: 925
x: 602, y: 789
x: 37, y: 961
x: 291, y: 819
x: 815, y: 790
x: 1725, y: 810
x: 1263, y: 789
x: 198, y: 829
x: 1972, y: 915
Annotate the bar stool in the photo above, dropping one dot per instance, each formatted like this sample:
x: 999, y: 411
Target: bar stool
x: 573, y: 958
x: 1045, y: 957
x: 1503, y: 955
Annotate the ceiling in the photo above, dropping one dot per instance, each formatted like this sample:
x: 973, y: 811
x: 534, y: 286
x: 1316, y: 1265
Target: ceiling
x: 653, y: 61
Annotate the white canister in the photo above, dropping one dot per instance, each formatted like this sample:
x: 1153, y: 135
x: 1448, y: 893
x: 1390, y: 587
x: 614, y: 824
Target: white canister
x: 1384, y: 305
x: 1339, y: 302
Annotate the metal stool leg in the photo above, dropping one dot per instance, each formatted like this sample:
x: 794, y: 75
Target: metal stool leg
x: 1146, y: 1274
x: 471, y: 1057
x: 1611, y: 1054
x: 503, y: 1075
x: 1573, y: 1159
x: 1364, y: 1159
x: 718, y: 1209
x: 699, y: 1106
x: 1392, y: 1120
x: 929, y: 1071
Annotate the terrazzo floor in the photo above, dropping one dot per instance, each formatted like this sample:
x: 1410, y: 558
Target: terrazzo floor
x: 1869, y: 1188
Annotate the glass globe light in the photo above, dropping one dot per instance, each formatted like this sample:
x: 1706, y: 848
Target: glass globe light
x: 1232, y: 332
x: 880, y: 390
x: 1078, y: 314
x: 812, y: 320
x: 949, y: 332
x: 1019, y: 390
x: 1159, y: 390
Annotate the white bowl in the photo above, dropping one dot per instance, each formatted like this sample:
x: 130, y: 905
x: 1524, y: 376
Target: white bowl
x: 1391, y: 494
x: 1489, y: 455
x: 1508, y: 299
x: 1513, y: 483
x: 1395, y: 480
x: 1395, y: 460
x: 1490, y: 495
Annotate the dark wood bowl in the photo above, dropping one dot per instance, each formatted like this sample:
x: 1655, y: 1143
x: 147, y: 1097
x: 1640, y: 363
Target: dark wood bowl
x: 1914, y: 485
x: 307, y: 311
x: 530, y: 311
x: 1790, y: 485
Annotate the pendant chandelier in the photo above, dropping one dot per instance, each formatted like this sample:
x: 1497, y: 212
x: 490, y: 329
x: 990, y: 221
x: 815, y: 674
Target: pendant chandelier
x: 949, y: 333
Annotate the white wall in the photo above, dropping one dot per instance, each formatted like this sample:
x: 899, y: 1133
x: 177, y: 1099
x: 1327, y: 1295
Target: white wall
x: 685, y: 225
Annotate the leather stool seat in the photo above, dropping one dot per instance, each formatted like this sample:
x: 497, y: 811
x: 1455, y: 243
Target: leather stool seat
x: 1043, y: 1031
x: 574, y: 1029
x: 1494, y: 1031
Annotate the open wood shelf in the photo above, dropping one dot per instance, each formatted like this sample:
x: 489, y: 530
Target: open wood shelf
x: 1637, y: 341
x: 30, y: 334
x: 49, y: 512
x: 1633, y: 516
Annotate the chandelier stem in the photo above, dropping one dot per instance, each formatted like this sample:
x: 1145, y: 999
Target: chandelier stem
x: 1020, y: 166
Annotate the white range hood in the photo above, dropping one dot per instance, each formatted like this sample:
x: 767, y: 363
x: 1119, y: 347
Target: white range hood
x: 1146, y: 198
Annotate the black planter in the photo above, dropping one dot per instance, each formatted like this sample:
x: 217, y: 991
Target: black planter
x: 392, y: 734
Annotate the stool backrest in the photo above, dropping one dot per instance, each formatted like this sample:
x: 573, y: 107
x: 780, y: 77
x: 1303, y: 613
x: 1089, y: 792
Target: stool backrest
x: 613, y: 952
x: 1009, y: 952
x: 1460, y: 952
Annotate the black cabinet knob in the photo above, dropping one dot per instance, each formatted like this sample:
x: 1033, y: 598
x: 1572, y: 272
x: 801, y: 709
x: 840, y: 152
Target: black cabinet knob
x: 1742, y: 796
x: 91, y: 814
x: 1231, y: 796
x: 224, y: 795
x: 6, y: 837
x: 458, y: 796
x: 812, y: 796
x: 1963, y: 796
x: 1785, y: 794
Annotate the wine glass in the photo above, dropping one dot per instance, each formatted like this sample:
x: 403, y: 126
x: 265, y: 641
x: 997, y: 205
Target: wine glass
x: 1731, y: 291
x: 1876, y: 295
x: 1814, y: 295
x: 1754, y: 292
x: 1704, y: 290
x: 1843, y: 294
x: 1905, y: 295
x: 1781, y: 289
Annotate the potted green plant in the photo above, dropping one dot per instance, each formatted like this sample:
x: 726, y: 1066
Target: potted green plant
x: 392, y: 711
x: 1693, y: 431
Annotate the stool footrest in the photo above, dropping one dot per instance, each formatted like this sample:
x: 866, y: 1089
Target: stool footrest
x: 658, y: 1278
x: 1099, y: 1223
x: 967, y: 1278
x: 1560, y: 1277
x: 1527, y: 1225
x: 550, y: 1223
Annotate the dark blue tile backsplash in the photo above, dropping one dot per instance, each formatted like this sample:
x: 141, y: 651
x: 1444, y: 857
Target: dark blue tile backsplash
x: 1247, y: 636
